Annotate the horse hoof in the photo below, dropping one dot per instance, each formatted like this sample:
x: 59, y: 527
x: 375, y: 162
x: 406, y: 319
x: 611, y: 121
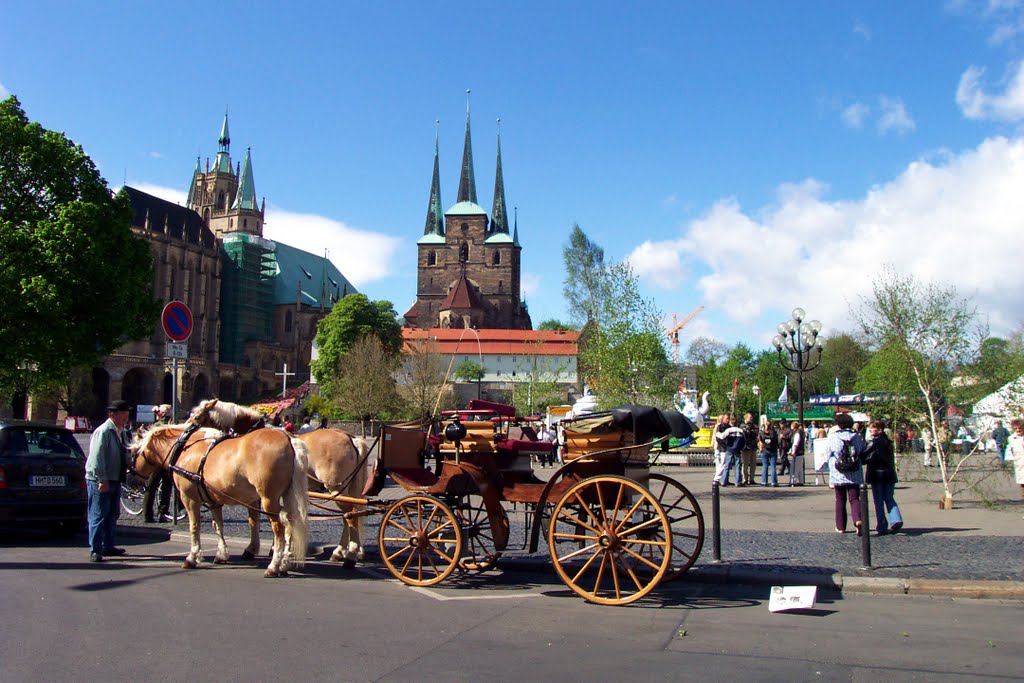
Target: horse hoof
x: 220, y: 560
x: 283, y: 572
x: 270, y: 574
x: 188, y: 564
x: 349, y: 563
x: 248, y: 555
x: 337, y: 556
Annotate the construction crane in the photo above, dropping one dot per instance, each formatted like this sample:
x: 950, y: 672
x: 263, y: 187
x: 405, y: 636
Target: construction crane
x: 673, y: 333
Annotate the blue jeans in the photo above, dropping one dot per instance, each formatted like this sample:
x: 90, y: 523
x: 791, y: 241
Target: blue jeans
x: 730, y: 460
x: 768, y: 461
x: 104, y: 509
x: 882, y: 494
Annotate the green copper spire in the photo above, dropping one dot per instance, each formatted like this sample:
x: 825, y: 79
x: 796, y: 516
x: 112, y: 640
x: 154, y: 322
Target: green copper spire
x: 435, y: 219
x: 499, y: 215
x: 246, y: 198
x: 467, y: 181
x: 222, y: 164
x: 191, y: 203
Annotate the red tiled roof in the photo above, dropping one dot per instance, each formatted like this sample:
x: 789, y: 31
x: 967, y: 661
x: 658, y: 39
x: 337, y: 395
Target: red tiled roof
x: 498, y: 342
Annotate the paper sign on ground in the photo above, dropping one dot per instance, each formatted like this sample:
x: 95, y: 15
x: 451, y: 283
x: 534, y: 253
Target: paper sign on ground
x: 791, y: 597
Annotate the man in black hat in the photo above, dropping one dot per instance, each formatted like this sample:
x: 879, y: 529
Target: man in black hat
x: 105, y: 469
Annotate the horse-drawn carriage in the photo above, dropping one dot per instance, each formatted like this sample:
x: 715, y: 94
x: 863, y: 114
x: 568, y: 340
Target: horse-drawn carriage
x: 614, y: 529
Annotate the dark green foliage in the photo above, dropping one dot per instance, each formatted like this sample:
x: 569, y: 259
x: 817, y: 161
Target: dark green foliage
x: 77, y: 284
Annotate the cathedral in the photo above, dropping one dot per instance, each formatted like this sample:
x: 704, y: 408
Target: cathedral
x: 255, y: 303
x: 468, y: 267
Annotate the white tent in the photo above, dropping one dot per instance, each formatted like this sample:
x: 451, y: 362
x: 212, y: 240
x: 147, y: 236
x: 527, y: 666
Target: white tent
x: 1004, y: 403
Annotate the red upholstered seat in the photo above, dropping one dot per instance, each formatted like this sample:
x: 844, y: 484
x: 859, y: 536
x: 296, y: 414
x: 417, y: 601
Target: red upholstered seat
x: 517, y: 446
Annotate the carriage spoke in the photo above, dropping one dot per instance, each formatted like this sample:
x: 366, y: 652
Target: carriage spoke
x: 579, y: 552
x: 567, y: 517
x: 642, y: 525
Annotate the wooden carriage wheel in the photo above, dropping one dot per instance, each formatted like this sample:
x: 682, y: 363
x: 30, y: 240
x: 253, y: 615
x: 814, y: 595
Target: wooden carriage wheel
x: 479, y: 537
x: 686, y: 520
x: 419, y: 540
x: 610, y: 541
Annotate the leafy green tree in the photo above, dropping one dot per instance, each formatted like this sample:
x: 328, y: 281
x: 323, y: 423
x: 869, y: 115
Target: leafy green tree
x: 364, y: 384
x: 927, y: 328
x: 585, y: 287
x: 554, y: 325
x: 843, y: 357
x: 351, y: 319
x: 77, y: 284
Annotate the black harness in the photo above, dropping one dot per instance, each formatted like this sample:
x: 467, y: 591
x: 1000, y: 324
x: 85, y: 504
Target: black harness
x: 194, y: 477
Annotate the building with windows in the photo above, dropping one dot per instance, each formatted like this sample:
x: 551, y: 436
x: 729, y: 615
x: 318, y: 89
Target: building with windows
x: 255, y: 303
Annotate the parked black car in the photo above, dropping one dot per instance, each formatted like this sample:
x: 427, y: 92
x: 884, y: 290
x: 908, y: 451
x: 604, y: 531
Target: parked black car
x: 42, y: 477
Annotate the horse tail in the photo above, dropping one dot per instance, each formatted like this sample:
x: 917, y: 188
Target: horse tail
x: 362, y: 445
x: 296, y: 504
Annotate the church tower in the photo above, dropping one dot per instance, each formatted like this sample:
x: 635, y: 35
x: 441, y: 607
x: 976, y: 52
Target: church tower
x: 468, y: 266
x: 226, y: 197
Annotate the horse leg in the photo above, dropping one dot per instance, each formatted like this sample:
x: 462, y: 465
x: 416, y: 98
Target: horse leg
x: 277, y: 526
x: 195, y: 554
x: 218, y: 526
x: 253, y: 549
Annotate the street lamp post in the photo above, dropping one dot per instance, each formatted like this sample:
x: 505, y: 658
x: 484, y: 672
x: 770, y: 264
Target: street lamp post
x: 799, y: 340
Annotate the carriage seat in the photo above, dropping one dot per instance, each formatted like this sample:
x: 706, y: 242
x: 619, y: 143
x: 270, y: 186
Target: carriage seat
x: 479, y: 439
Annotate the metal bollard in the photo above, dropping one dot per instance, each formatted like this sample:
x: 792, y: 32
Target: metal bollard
x: 716, y: 523
x: 865, y: 528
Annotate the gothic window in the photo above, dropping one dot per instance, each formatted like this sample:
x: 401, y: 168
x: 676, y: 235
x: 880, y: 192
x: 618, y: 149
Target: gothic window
x: 501, y: 286
x: 463, y: 253
x: 206, y: 215
x: 245, y: 223
x: 220, y: 201
x: 497, y: 258
x: 288, y: 321
x: 432, y: 258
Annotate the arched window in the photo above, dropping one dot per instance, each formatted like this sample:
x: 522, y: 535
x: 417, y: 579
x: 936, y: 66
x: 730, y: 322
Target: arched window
x: 463, y: 253
x: 496, y: 259
x: 288, y: 321
x: 432, y: 258
x: 220, y: 201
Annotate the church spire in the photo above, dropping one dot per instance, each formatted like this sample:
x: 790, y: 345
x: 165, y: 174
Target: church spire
x: 193, y: 199
x: 499, y: 215
x: 222, y: 164
x: 246, y: 197
x: 435, y: 218
x: 467, y: 181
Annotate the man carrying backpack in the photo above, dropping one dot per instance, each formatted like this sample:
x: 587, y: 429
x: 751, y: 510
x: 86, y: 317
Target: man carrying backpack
x: 845, y: 455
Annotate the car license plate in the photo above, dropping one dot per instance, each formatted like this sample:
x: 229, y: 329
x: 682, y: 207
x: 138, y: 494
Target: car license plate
x: 48, y: 480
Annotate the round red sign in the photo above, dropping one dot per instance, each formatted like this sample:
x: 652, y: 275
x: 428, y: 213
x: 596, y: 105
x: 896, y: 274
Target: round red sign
x: 177, y: 321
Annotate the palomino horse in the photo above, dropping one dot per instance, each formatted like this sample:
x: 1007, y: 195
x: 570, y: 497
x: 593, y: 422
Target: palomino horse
x: 261, y: 470
x: 336, y: 463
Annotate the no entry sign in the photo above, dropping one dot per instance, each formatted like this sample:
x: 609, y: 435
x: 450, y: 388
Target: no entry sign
x: 177, y: 321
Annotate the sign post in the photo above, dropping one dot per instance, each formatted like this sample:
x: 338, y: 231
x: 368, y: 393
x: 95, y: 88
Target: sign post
x: 176, y: 320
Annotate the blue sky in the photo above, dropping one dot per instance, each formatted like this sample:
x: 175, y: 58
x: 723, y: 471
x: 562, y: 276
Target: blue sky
x: 747, y: 156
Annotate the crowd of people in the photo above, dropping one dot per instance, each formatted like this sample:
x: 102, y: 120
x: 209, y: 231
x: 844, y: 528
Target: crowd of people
x: 782, y: 447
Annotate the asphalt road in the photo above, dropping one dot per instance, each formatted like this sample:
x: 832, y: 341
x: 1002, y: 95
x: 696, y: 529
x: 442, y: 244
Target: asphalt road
x: 142, y: 617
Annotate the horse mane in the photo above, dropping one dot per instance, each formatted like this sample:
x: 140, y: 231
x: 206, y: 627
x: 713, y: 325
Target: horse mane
x: 224, y: 415
x: 167, y: 433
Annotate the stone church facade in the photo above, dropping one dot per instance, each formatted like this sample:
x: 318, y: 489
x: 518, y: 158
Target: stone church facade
x: 255, y: 303
x: 468, y: 266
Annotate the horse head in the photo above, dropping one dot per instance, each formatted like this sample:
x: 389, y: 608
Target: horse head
x: 224, y: 415
x: 147, y: 446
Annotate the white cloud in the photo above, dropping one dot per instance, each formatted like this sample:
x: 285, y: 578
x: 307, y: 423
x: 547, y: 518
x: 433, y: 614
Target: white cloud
x: 529, y: 284
x: 662, y: 264
x: 951, y: 221
x: 156, y: 155
x: 4, y: 92
x: 861, y: 29
x: 894, y: 117
x: 361, y: 255
x: 855, y: 114
x: 976, y: 103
